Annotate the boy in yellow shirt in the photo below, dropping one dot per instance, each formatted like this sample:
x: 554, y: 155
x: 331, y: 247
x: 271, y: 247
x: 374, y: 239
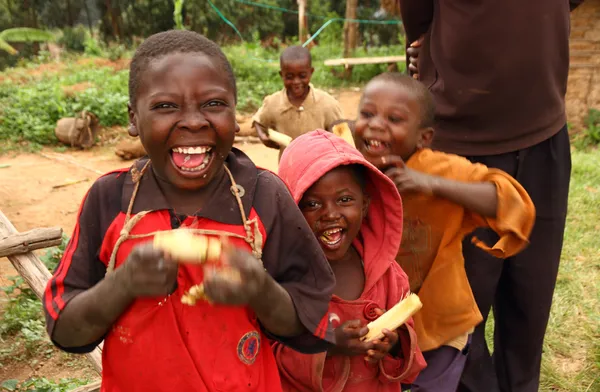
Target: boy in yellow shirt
x: 300, y: 107
x: 445, y: 197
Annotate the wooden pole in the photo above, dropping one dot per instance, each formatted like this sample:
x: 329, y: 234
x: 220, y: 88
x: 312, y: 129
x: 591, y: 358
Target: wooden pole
x: 301, y: 20
x: 350, y: 33
x: 36, y: 275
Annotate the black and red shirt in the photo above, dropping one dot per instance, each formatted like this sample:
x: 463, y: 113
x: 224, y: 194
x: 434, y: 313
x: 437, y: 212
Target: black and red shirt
x: 161, y: 344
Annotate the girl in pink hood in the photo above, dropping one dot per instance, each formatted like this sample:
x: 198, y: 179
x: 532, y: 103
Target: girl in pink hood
x: 356, y: 213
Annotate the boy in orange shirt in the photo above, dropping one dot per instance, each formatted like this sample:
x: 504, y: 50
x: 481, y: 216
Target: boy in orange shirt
x: 445, y: 198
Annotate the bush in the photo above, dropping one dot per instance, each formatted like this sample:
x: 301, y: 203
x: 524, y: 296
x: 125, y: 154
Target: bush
x: 73, y: 38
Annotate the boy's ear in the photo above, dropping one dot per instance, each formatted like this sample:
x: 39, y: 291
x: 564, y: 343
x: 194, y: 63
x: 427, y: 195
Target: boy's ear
x: 132, y: 130
x: 280, y: 74
x: 425, y: 138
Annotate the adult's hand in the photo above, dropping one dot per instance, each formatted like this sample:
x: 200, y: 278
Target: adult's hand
x: 413, y: 57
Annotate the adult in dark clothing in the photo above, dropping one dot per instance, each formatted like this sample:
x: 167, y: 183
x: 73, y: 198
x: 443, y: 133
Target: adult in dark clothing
x: 498, y: 72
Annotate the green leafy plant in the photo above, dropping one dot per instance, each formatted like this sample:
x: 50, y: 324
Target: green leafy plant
x: 22, y: 34
x: 592, y: 123
x: 178, y: 14
x: 42, y: 385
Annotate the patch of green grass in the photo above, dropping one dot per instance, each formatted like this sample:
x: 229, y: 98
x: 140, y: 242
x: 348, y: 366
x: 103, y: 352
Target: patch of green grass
x: 23, y: 319
x: 31, y: 106
x: 42, y: 385
x: 571, y: 359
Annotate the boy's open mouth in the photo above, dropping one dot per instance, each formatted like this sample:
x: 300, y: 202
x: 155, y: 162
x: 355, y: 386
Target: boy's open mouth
x: 331, y: 238
x: 375, y: 146
x: 192, y: 159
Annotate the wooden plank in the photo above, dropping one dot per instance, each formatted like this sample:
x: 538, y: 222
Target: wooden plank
x: 365, y: 60
x: 36, y: 275
x: 30, y: 240
x: 91, y: 387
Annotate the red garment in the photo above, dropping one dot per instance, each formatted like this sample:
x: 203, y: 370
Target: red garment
x: 159, y: 344
x: 306, y: 160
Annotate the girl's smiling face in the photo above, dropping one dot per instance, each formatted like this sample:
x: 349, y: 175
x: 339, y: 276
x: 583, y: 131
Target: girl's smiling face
x: 334, y: 208
x: 185, y: 117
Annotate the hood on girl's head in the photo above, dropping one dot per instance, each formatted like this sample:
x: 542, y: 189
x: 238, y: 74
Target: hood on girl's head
x: 312, y: 155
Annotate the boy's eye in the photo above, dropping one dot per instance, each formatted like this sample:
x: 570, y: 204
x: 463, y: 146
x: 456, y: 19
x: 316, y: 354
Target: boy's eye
x: 366, y: 114
x: 215, y: 104
x: 164, y: 105
x: 395, y: 119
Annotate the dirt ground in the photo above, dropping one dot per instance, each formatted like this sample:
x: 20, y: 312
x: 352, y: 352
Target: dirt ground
x: 45, y: 189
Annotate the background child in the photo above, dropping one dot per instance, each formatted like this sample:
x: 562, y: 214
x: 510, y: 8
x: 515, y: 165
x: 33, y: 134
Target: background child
x: 299, y: 107
x: 182, y: 106
x: 356, y: 214
x: 445, y: 197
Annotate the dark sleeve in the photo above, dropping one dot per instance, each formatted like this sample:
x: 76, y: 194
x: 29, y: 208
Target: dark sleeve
x: 292, y: 255
x: 80, y: 267
x: 416, y: 18
x: 574, y: 4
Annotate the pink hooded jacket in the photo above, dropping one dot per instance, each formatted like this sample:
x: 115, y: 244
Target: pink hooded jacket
x: 304, y: 161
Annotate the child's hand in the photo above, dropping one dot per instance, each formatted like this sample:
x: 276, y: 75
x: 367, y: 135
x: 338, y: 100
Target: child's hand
x: 252, y: 277
x: 263, y: 135
x: 382, y: 347
x: 347, y: 339
x: 413, y: 57
x: 406, y: 180
x: 148, y: 273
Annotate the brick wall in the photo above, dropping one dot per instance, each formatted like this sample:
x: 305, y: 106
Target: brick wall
x: 583, y: 91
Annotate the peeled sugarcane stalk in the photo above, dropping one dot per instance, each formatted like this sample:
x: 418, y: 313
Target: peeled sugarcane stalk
x: 279, y: 138
x: 393, y: 318
x: 184, y: 246
x: 343, y: 130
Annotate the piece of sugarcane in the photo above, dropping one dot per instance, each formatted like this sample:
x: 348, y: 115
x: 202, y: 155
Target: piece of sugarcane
x: 279, y: 138
x: 184, y: 246
x: 196, y: 293
x: 393, y: 318
x: 343, y: 130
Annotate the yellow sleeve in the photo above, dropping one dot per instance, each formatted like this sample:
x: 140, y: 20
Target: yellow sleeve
x: 515, y: 214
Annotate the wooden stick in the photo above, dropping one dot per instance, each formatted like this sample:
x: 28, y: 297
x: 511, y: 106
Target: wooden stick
x: 30, y: 240
x: 36, y: 275
x: 92, y: 387
x: 69, y: 183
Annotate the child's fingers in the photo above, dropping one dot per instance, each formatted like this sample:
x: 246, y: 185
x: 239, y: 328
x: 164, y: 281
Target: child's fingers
x: 391, y: 337
x: 374, y: 356
x: 388, y: 161
x: 354, y: 329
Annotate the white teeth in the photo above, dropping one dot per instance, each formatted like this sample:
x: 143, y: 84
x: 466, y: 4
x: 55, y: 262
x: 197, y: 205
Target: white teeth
x: 374, y: 143
x: 193, y: 169
x: 192, y: 150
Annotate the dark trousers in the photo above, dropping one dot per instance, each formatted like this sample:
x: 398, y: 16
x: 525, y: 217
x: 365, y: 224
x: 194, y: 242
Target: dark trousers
x: 519, y: 289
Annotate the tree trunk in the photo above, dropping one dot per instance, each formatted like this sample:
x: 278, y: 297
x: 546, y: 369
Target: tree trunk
x: 302, y: 30
x: 113, y: 20
x: 70, y: 21
x: 350, y: 33
x: 88, y: 17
